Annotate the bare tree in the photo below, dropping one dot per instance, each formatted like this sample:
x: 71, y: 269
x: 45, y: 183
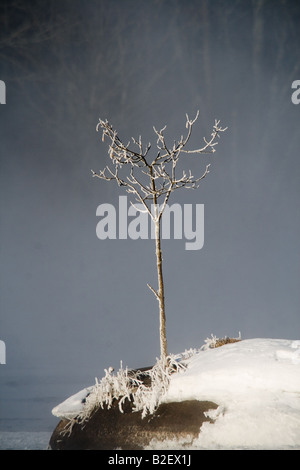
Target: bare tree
x: 151, y: 182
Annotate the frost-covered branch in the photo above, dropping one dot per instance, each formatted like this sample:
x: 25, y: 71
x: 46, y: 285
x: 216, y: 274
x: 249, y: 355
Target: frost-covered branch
x: 161, y: 171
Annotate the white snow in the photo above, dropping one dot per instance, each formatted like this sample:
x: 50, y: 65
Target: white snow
x: 255, y: 382
x: 72, y: 406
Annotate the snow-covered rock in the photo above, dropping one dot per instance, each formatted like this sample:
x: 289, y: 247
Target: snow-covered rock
x: 255, y: 382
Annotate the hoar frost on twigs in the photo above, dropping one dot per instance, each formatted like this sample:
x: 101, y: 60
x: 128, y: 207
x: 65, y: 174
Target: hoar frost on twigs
x: 161, y: 170
x: 126, y: 384
x: 214, y: 342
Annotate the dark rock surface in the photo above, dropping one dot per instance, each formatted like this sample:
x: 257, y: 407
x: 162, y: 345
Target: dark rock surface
x: 109, y: 429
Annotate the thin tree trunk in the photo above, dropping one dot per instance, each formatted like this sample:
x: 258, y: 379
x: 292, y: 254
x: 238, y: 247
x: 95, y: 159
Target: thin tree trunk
x: 160, y: 292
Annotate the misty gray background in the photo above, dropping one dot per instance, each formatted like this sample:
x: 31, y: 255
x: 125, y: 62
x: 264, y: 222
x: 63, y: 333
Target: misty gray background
x: 72, y: 305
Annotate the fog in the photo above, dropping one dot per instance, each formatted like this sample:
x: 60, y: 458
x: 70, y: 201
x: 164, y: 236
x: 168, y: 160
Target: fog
x: 72, y: 304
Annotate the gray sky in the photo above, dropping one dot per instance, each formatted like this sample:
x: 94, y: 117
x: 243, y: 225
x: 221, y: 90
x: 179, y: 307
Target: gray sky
x: 71, y: 304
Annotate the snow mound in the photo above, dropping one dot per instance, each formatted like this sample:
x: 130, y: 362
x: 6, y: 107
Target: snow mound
x: 255, y: 382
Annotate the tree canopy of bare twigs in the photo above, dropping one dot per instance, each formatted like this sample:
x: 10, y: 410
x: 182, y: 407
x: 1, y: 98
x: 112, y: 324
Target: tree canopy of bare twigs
x: 152, y: 180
